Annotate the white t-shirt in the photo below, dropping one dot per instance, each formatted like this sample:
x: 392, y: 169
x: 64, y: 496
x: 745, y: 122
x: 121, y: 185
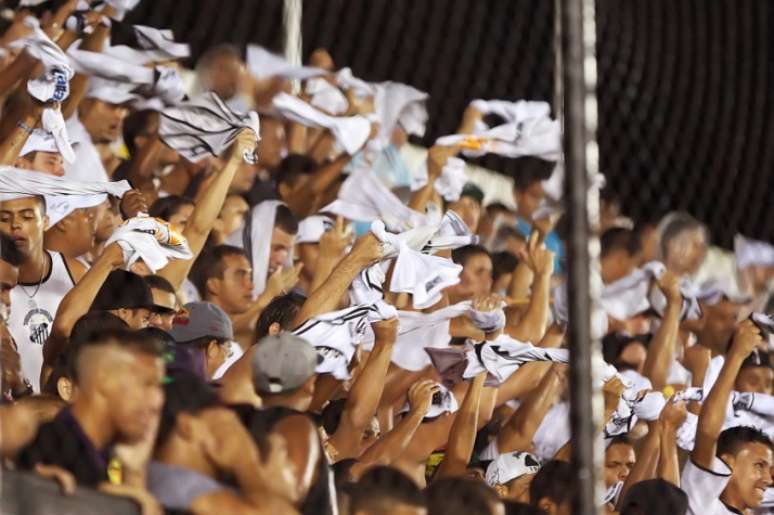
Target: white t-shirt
x: 704, y: 487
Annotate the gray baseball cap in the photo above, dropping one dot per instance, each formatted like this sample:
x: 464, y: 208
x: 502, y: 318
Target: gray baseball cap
x: 199, y: 320
x: 282, y: 363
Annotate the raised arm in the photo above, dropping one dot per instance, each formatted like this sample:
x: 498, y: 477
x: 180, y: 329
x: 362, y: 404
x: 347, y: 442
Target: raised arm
x: 463, y: 432
x: 662, y: 348
x: 390, y: 446
x: 532, y: 326
x: 436, y: 160
x: 713, y: 411
x: 207, y: 204
x: 672, y: 417
x: 367, y: 250
x: 647, y: 459
x: 332, y: 245
x: 305, y: 199
x: 77, y: 301
x: 518, y: 432
x: 366, y: 391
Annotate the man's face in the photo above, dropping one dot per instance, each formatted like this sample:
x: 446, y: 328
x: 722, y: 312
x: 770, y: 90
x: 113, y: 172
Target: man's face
x: 617, y: 265
x: 528, y: 200
x: 476, y: 276
x: 23, y: 220
x: 106, y: 220
x: 164, y: 299
x: 244, y: 178
x: 634, y: 354
x: 79, y: 231
x: 9, y: 276
x: 233, y: 213
x: 619, y: 460
x: 235, y: 292
x: 272, y: 142
x: 755, y: 380
x: 136, y: 319
x: 225, y: 75
x: 720, y: 322
x: 308, y: 254
x: 136, y: 395
x: 103, y: 121
x: 751, y: 472
x: 469, y: 210
x: 685, y: 252
x: 50, y: 163
x: 518, y: 489
x: 281, y: 245
x: 180, y: 218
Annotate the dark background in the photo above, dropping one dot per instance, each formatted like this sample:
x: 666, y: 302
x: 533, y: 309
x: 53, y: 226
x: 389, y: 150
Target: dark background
x: 686, y: 121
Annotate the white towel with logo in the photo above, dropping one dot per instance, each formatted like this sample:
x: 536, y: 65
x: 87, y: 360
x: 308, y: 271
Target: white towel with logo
x: 263, y: 64
x: 205, y: 126
x: 351, y: 132
x: 150, y: 239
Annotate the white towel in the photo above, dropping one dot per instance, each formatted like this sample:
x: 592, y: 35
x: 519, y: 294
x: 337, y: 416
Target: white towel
x: 158, y: 42
x: 713, y: 291
x: 451, y: 181
x: 16, y: 183
x: 52, y: 121
x: 504, y: 356
x: 205, y: 126
x: 637, y: 292
x: 351, y: 132
x: 263, y: 64
x: 488, y: 321
x: 41, y: 47
x: 327, y: 96
x: 359, y: 87
x: 111, y: 91
x: 444, y: 402
x: 513, y: 111
x: 397, y: 104
x: 59, y: 206
x: 122, y: 7
x: 752, y: 252
x: 336, y: 336
x: 257, y: 237
x: 364, y: 198
x: 150, y: 239
x: 108, y: 67
x: 311, y: 228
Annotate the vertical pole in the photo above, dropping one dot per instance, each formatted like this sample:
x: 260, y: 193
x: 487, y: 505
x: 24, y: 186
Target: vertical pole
x: 291, y: 20
x: 579, y: 76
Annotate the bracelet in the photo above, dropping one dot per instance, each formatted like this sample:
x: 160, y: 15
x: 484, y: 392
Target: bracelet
x: 26, y: 128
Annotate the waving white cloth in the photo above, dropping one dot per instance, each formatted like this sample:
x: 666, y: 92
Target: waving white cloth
x: 421, y: 275
x: 637, y: 292
x: 150, y: 239
x: 205, y: 126
x: 327, y: 96
x: 159, y: 44
x: 449, y: 184
x: 311, y: 228
x: 444, y: 402
x: 108, y: 67
x: 363, y: 197
x: 122, y: 7
x: 397, y: 104
x: 715, y: 290
x: 560, y: 311
x: 359, y: 87
x: 60, y: 206
x: 752, y: 252
x: 336, y: 336
x: 513, y: 111
x: 16, y: 183
x: 488, y: 321
x: 351, y: 132
x: 257, y: 237
x: 263, y: 64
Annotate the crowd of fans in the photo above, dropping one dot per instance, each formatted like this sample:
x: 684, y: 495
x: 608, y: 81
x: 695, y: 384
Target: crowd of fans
x: 223, y: 296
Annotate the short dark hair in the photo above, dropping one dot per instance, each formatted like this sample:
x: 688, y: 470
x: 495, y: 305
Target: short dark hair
x: 185, y: 392
x: 167, y: 207
x: 285, y: 219
x: 136, y: 124
x: 503, y: 263
x: 757, y: 358
x: 216, y: 52
x: 619, y: 238
x: 463, y: 254
x: 156, y: 282
x: 496, y: 207
x: 9, y: 252
x: 555, y: 480
x: 732, y: 439
x: 473, y: 191
x: 460, y: 496
x: 124, y: 337
x: 93, y: 323
x: 210, y: 264
x: 619, y: 440
x: 294, y: 166
x: 281, y: 310
x: 380, y: 488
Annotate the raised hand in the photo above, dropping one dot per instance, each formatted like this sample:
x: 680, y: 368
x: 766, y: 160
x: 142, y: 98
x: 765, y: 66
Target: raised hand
x: 674, y: 414
x: 283, y: 279
x: 746, y: 338
x: 669, y: 284
x: 386, y: 330
x: 437, y: 157
x: 335, y: 240
x: 244, y: 144
x: 420, y: 396
x: 133, y: 203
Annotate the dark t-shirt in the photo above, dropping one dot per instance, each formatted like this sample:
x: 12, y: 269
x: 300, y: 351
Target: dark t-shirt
x: 63, y: 443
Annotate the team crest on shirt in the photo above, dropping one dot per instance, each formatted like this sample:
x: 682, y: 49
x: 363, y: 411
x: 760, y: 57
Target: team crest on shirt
x: 38, y: 321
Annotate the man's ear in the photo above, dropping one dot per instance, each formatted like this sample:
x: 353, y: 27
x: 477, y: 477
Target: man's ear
x: 501, y: 490
x: 547, y: 505
x: 184, y: 425
x: 213, y: 349
x: 284, y: 190
x: 213, y: 285
x: 274, y: 329
x: 728, y: 459
x: 64, y: 387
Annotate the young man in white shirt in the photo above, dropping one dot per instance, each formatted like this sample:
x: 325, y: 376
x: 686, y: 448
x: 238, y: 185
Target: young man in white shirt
x: 728, y: 471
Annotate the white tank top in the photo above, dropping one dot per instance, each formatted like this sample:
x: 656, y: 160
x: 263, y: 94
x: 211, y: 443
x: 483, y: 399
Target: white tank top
x: 33, y: 308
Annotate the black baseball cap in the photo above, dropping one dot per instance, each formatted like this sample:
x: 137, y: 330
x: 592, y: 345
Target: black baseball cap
x: 123, y: 289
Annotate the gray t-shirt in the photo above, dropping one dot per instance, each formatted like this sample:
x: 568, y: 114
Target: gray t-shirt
x: 177, y: 487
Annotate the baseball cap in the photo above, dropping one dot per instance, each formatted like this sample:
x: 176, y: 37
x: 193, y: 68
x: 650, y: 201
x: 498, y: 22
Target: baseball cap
x: 510, y: 466
x: 199, y: 320
x: 123, y: 289
x: 654, y: 496
x: 282, y: 363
